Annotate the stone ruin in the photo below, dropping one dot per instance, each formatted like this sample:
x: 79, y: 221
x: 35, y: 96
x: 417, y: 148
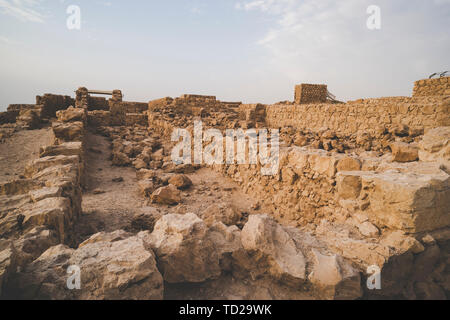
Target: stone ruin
x: 361, y: 185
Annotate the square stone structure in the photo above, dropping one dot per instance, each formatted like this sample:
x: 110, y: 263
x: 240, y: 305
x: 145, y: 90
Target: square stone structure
x: 310, y: 93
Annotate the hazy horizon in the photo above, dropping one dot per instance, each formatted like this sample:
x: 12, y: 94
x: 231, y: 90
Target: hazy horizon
x: 237, y: 50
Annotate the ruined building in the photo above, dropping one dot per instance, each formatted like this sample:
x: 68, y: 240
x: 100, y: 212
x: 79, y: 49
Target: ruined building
x: 362, y: 187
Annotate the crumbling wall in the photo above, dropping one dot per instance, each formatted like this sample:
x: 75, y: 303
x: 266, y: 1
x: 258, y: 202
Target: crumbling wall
x: 253, y: 115
x: 310, y: 93
x: 82, y: 98
x: 51, y: 103
x: 365, y: 115
x: 193, y: 105
x: 432, y: 87
x: 97, y: 103
x: 39, y: 211
x: 136, y: 119
x: 131, y: 106
x: 8, y: 117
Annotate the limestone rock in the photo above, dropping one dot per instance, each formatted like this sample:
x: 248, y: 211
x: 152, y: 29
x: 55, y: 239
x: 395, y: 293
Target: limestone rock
x: 180, y: 181
x: 402, y: 243
x: 367, y: 229
x: 71, y: 131
x: 33, y: 243
x: 403, y: 152
x: 122, y: 269
x: 7, y: 262
x: 40, y: 164
x: 144, y: 174
x: 64, y: 149
x: 44, y: 193
x: 55, y: 213
x: 184, y: 251
x: 334, y: 278
x: 349, y: 185
x: 139, y: 164
x: 120, y: 159
x: 273, y: 250
x: 222, y: 212
x: 147, y: 187
x: 72, y: 114
x: 166, y: 195
x: 29, y: 119
x: 435, y: 145
x: 349, y: 164
x: 117, y: 235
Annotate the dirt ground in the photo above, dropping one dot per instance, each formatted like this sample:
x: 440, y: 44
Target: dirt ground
x: 107, y: 206
x: 17, y: 151
x: 110, y: 206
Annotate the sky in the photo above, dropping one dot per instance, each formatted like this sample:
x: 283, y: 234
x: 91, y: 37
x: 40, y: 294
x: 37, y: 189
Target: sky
x: 239, y: 50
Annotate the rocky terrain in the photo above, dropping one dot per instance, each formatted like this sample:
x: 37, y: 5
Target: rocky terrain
x: 88, y: 184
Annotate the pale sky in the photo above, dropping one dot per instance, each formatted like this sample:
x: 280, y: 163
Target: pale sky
x: 239, y: 50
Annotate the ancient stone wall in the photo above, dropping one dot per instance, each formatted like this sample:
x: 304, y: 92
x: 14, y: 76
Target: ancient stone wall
x: 193, y: 104
x: 133, y: 107
x: 51, y: 103
x: 98, y: 103
x: 310, y: 93
x: 8, y: 116
x: 432, y: 87
x: 368, y: 115
x: 20, y: 107
x: 40, y: 210
x: 136, y: 118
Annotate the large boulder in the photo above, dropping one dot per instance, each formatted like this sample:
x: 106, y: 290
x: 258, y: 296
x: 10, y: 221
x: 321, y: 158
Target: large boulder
x: 435, y: 145
x: 110, y: 268
x: 180, y: 181
x: 187, y: 251
x: 272, y: 251
x: 54, y: 213
x: 166, y: 195
x: 72, y: 114
x: 334, y: 278
x: 404, y: 152
x: 64, y: 149
x: 40, y: 164
x: 349, y: 164
x: 66, y: 132
x: 222, y: 212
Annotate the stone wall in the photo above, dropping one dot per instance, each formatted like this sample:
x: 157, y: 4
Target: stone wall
x: 98, y: 103
x: 432, y: 87
x: 40, y: 210
x: 20, y: 107
x: 310, y: 93
x: 192, y: 104
x: 51, y: 103
x: 100, y: 118
x: 136, y: 118
x: 133, y: 107
x: 8, y: 117
x: 368, y: 115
